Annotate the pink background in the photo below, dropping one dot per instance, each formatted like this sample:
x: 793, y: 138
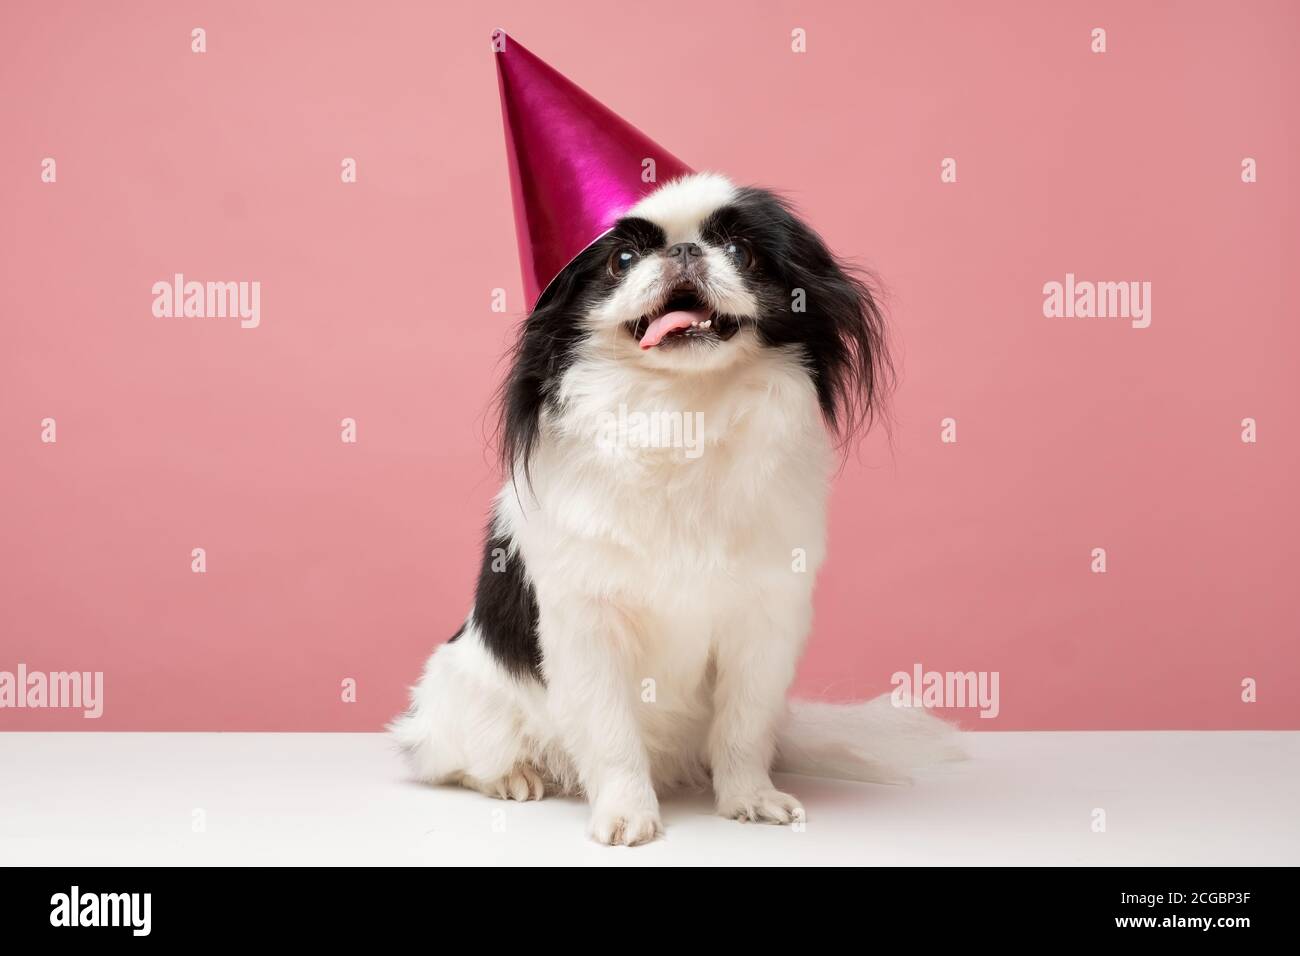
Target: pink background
x: 328, y: 560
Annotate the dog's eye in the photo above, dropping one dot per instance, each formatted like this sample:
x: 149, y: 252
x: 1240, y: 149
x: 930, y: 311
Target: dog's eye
x: 738, y: 252
x: 622, y: 260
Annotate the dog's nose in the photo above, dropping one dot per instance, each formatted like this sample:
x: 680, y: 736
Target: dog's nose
x: 685, y: 251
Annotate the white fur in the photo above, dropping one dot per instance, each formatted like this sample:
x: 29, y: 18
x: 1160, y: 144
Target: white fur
x: 679, y: 206
x: 656, y: 571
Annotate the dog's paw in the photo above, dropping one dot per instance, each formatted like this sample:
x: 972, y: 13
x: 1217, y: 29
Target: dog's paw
x: 522, y: 783
x: 761, y: 806
x: 630, y: 826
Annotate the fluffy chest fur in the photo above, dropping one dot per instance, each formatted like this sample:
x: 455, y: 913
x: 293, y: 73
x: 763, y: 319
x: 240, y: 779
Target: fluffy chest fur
x: 623, y: 505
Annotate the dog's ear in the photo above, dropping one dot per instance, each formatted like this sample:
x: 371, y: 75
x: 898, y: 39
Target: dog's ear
x: 830, y: 310
x: 542, y: 352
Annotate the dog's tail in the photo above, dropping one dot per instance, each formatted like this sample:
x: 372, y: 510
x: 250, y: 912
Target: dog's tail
x: 875, y: 740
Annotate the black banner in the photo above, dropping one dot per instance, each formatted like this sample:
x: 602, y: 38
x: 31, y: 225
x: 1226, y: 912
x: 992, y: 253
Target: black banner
x: 327, y: 906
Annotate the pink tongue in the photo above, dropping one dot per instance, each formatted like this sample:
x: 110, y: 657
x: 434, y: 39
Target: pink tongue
x: 671, y: 322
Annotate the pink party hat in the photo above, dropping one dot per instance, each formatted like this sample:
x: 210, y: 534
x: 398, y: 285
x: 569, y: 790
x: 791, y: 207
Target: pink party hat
x: 575, y: 165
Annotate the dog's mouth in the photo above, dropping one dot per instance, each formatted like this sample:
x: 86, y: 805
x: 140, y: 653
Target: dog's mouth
x: 683, y: 319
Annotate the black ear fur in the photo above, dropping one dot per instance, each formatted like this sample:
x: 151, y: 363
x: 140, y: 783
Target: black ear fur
x: 841, y: 329
x: 543, y: 351
x: 550, y: 335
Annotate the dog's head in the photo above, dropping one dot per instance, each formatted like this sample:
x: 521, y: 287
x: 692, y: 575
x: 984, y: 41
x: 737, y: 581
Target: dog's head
x: 700, y: 276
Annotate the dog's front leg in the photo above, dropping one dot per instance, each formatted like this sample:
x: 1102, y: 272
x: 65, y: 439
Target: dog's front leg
x: 590, y: 650
x: 756, y: 660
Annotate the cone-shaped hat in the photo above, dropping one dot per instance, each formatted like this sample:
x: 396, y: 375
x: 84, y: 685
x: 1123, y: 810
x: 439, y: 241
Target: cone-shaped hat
x: 575, y: 165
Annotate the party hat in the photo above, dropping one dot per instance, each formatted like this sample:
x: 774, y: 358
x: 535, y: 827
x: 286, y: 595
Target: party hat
x: 575, y: 165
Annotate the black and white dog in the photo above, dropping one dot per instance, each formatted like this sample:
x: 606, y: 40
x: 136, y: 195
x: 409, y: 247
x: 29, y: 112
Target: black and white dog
x: 644, y: 600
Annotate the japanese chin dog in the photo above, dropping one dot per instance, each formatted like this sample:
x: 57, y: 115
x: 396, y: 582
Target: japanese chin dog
x: 669, y: 427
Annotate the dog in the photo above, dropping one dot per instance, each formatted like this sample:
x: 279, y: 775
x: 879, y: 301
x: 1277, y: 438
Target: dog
x: 643, y: 601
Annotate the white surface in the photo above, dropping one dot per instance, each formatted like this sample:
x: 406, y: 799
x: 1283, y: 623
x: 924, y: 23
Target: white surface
x: 129, y: 799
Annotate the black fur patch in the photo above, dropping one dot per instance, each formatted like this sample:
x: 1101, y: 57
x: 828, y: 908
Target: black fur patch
x: 544, y: 350
x: 840, y: 330
x: 505, y: 609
